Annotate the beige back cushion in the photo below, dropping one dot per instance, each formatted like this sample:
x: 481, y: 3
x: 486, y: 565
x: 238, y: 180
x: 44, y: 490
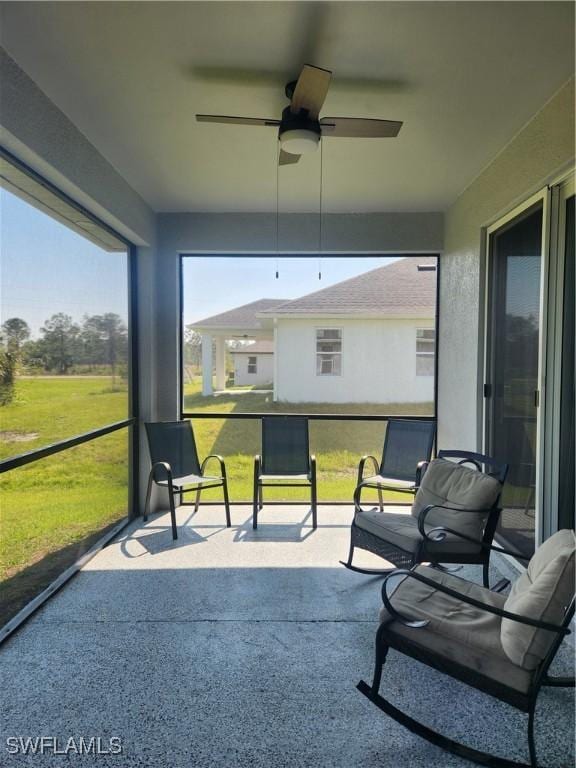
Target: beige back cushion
x: 454, y: 485
x: 542, y: 592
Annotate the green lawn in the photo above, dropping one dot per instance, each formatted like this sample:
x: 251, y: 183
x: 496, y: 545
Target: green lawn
x: 52, y: 510
x: 338, y: 445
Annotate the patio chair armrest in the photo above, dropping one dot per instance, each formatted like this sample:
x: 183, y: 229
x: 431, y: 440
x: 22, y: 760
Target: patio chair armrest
x: 312, y: 466
x: 440, y: 532
x: 465, y: 599
x: 362, y: 464
x: 167, y: 469
x: 357, y: 494
x: 218, y: 459
x: 421, y: 468
x: 396, y: 615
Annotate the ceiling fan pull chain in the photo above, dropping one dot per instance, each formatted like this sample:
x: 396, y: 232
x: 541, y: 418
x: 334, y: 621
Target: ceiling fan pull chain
x: 320, y: 214
x: 277, y: 203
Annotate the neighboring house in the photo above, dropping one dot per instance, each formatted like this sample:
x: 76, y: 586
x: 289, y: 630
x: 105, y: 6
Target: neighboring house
x: 241, y: 323
x: 254, y: 364
x: 367, y: 339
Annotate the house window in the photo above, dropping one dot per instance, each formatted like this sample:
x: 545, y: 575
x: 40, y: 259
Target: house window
x: 328, y: 351
x: 252, y: 364
x: 425, y: 350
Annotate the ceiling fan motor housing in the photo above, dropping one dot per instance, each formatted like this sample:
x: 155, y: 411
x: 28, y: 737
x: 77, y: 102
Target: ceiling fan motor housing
x: 298, y: 134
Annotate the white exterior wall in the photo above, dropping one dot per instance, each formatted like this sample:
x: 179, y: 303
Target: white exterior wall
x: 378, y: 362
x: 264, y: 370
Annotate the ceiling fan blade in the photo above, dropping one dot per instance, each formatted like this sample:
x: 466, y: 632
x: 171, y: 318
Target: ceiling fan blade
x: 236, y: 120
x: 359, y: 127
x: 311, y: 90
x: 286, y: 158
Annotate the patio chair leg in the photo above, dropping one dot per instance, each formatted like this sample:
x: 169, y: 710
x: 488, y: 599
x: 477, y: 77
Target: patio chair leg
x: 380, y: 500
x: 148, y: 494
x: 256, y: 495
x: 531, y: 742
x: 197, y: 502
x: 260, y: 497
x: 381, y: 653
x: 172, y: 511
x: 486, y: 575
x: 226, y: 502
x: 366, y: 571
x: 314, y: 504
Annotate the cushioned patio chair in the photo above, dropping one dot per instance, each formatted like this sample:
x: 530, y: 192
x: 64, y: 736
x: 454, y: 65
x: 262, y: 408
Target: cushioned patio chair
x: 406, y: 453
x: 502, y: 646
x: 175, y: 466
x: 458, y: 503
x: 285, y: 460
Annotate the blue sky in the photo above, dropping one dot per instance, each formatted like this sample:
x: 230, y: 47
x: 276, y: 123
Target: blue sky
x: 48, y: 268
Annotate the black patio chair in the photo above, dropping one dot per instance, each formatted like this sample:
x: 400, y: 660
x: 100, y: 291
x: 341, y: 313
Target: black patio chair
x: 175, y: 466
x: 459, y: 503
x: 285, y: 460
x: 502, y: 646
x: 406, y: 453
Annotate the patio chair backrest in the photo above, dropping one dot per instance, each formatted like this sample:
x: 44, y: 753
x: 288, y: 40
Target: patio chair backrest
x: 173, y: 442
x: 543, y: 592
x: 285, y: 445
x: 454, y: 485
x: 406, y: 443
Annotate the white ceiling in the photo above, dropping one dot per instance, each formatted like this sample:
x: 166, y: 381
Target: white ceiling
x: 463, y: 76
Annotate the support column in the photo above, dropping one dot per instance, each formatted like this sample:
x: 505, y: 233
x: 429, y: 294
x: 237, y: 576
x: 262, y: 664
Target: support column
x: 207, y: 364
x: 220, y: 362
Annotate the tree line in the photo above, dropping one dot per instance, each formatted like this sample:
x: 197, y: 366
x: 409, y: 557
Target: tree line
x: 64, y: 346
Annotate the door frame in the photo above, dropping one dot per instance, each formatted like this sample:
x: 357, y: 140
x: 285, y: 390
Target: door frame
x: 543, y: 197
x: 560, y: 192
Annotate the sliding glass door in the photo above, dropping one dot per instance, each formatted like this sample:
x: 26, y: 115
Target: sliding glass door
x: 513, y: 359
x: 567, y: 393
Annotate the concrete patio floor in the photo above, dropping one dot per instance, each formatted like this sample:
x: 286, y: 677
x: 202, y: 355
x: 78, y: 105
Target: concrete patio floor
x: 234, y: 648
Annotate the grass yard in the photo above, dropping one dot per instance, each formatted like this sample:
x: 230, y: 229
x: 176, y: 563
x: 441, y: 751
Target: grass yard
x: 338, y: 445
x: 54, y: 509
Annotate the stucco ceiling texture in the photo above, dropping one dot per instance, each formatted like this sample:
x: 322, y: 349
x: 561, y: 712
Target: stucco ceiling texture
x: 463, y: 76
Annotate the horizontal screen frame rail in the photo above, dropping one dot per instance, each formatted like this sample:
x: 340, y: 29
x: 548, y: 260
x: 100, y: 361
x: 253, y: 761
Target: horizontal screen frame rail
x: 13, y: 462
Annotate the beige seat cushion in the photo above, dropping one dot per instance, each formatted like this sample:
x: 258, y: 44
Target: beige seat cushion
x: 542, y: 592
x: 451, y: 484
x: 401, y: 530
x: 180, y: 482
x: 377, y: 481
x: 284, y: 478
x: 457, y: 631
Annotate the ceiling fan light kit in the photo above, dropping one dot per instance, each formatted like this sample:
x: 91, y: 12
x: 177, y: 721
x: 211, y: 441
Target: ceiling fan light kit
x: 299, y: 141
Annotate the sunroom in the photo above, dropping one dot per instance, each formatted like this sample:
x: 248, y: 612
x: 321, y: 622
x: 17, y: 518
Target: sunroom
x: 430, y: 275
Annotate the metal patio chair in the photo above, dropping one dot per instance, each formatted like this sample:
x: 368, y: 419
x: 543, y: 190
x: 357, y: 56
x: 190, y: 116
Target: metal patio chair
x: 405, y: 455
x: 175, y: 466
x: 463, y: 500
x: 502, y: 646
x: 285, y: 460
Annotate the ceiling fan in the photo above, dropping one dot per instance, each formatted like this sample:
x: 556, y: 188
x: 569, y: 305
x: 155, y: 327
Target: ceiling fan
x: 301, y: 128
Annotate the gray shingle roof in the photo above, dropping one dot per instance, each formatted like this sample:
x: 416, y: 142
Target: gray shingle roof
x: 263, y: 347
x: 395, y: 289
x: 244, y: 317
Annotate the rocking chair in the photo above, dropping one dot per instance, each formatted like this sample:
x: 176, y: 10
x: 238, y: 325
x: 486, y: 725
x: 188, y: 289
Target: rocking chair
x: 460, y: 503
x: 502, y: 646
